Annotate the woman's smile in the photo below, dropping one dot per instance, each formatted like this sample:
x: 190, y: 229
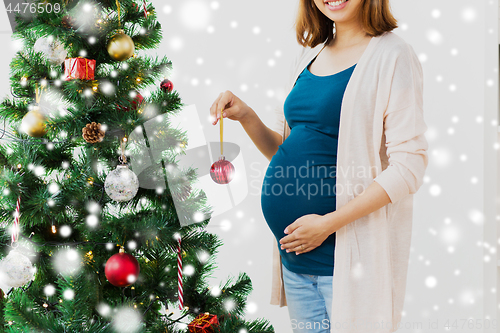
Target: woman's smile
x: 341, y: 12
x: 336, y: 5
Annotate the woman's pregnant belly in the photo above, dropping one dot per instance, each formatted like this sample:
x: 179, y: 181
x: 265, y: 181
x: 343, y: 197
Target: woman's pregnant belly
x: 300, y: 180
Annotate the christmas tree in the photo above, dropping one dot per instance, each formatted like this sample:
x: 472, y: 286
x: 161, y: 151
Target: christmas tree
x: 101, y: 229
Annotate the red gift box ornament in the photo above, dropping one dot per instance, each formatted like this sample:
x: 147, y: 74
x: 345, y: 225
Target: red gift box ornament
x: 204, y: 323
x: 79, y: 68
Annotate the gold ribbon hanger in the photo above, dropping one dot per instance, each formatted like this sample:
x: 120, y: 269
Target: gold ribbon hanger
x: 221, y: 117
x: 38, y: 93
x: 118, y: 9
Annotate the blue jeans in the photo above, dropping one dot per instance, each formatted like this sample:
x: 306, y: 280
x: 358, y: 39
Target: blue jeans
x: 309, y: 301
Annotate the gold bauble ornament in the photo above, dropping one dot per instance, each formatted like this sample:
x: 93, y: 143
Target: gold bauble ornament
x: 121, y: 46
x: 33, y: 123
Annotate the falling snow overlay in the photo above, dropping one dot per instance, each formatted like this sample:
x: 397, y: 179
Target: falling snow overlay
x: 248, y: 48
x: 237, y: 56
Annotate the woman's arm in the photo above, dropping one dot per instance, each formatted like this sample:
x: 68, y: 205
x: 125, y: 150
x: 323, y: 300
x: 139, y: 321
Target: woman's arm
x: 265, y: 139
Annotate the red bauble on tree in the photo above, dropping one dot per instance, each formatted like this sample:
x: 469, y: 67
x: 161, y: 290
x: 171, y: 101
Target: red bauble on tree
x: 222, y: 171
x: 122, y: 269
x: 166, y: 85
x: 136, y: 102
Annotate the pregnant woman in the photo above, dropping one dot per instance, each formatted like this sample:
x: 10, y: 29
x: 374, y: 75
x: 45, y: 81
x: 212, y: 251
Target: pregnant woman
x: 347, y: 153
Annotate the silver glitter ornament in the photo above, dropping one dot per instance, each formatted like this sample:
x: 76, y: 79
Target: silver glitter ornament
x: 121, y: 184
x: 53, y: 49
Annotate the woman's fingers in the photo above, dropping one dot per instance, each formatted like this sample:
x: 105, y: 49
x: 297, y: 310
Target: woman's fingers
x: 300, y: 248
x: 226, y: 101
x: 213, y: 109
x: 231, y: 110
x: 228, y: 106
x: 289, y: 247
x: 297, y: 245
x: 306, y: 249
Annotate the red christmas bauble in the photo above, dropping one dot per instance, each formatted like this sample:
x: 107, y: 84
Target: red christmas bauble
x: 122, y: 269
x: 222, y: 171
x: 166, y: 85
x: 135, y: 103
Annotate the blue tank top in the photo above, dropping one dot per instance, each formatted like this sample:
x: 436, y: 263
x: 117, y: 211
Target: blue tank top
x: 300, y: 178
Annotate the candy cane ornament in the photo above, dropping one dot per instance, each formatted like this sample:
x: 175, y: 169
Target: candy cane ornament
x: 15, y: 231
x: 179, y: 273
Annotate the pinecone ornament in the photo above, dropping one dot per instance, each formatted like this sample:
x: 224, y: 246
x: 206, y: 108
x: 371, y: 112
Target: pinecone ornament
x: 93, y: 133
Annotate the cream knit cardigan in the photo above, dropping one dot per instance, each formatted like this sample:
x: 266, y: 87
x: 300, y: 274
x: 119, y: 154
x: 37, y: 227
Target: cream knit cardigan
x: 381, y: 138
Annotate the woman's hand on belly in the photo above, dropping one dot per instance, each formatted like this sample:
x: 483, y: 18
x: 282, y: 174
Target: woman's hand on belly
x: 305, y: 234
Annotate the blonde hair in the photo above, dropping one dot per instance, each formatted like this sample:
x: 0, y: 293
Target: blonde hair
x: 312, y: 27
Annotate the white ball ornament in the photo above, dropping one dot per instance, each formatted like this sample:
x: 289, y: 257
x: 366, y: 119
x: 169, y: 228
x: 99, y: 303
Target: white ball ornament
x: 53, y: 50
x: 16, y: 270
x: 121, y: 184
